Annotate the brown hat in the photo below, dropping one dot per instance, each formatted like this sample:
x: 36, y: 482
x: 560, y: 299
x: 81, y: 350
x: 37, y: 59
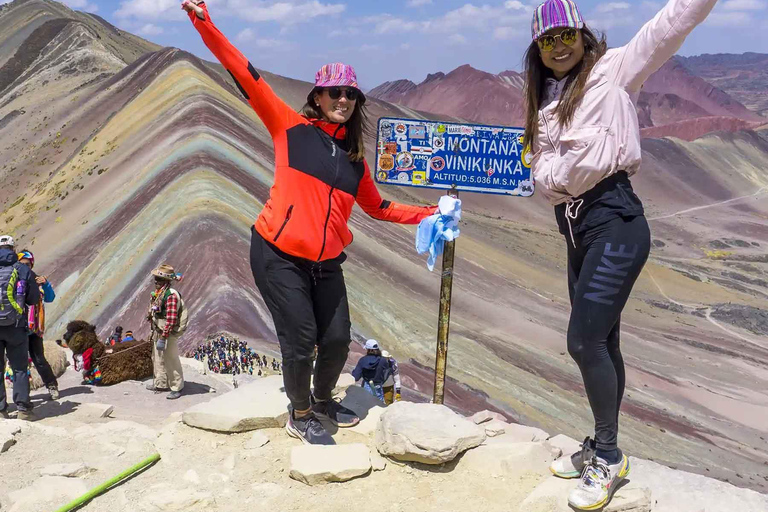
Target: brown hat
x: 165, y: 272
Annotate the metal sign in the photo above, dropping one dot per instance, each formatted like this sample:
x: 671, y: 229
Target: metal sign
x: 435, y: 154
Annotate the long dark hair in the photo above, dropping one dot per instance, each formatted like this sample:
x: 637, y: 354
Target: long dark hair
x: 358, y: 126
x: 536, y: 74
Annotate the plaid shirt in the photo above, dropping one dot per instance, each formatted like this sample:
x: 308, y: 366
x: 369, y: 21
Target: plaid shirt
x: 171, y: 314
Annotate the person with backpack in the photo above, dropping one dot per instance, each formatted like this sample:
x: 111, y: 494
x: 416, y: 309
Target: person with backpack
x: 116, y: 337
x: 393, y: 384
x: 169, y: 320
x: 583, y: 132
x: 21, y: 290
x: 298, y: 241
x: 373, y: 370
x: 36, y: 327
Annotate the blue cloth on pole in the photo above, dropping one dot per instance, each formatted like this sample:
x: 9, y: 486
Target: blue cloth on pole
x: 439, y: 228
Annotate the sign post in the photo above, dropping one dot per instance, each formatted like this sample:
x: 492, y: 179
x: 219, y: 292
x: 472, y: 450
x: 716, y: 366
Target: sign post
x: 444, y: 319
x: 453, y: 157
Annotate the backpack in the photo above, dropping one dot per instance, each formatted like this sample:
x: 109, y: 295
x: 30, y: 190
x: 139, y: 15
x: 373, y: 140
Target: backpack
x: 12, y: 306
x: 183, y: 315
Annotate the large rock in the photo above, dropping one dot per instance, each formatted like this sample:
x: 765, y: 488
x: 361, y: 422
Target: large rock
x: 524, y: 434
x: 97, y: 410
x: 315, y: 465
x: 494, y: 428
x: 7, y: 432
x: 260, y: 404
x: 427, y: 433
x: 565, y: 443
x: 552, y: 496
x: 486, y: 416
x: 70, y: 470
x: 179, y: 499
x: 47, y: 489
x: 510, y: 459
x: 679, y: 491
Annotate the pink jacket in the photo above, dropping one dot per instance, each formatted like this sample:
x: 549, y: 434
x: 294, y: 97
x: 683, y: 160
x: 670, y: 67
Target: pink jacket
x: 604, y: 136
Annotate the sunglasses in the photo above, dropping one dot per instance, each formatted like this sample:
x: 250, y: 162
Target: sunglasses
x: 568, y: 36
x: 335, y: 93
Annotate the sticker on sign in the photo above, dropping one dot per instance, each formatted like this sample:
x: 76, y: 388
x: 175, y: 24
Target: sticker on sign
x: 471, y: 157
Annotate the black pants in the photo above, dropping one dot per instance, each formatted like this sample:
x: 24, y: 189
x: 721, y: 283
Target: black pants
x: 15, y: 342
x: 308, y: 302
x: 602, y: 269
x: 37, y: 354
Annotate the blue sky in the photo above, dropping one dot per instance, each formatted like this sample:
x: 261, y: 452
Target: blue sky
x: 387, y: 40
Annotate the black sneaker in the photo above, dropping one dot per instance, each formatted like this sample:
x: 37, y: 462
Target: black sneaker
x: 334, y: 412
x: 308, y: 429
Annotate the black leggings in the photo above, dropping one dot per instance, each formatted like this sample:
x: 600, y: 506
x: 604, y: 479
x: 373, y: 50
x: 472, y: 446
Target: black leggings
x: 308, y: 302
x: 37, y: 354
x: 602, y: 269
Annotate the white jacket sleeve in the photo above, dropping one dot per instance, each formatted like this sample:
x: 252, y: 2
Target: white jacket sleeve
x: 396, y: 374
x: 658, y: 40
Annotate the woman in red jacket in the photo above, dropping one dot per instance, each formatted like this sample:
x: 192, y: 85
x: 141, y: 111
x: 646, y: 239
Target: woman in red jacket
x: 298, y: 240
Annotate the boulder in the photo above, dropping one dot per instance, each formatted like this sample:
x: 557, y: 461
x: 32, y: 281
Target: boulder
x: 427, y: 433
x: 495, y: 428
x: 510, y: 459
x: 97, y: 410
x: 260, y: 404
x: 565, y: 443
x: 552, y: 496
x: 257, y: 440
x: 179, y: 499
x: 485, y: 416
x: 45, y: 490
x: 70, y: 470
x: 679, y: 491
x: 7, y: 432
x: 313, y: 464
x: 524, y: 434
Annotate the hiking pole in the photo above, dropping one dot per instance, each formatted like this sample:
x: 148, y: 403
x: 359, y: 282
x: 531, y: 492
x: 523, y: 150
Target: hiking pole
x: 88, y: 496
x: 444, y: 319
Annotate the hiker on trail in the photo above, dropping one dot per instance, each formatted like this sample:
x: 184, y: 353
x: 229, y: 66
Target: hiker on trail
x: 582, y: 130
x: 23, y: 291
x: 392, y: 385
x: 169, y: 319
x: 36, y: 327
x: 128, y: 337
x: 373, y: 370
x: 116, y: 337
x: 298, y: 240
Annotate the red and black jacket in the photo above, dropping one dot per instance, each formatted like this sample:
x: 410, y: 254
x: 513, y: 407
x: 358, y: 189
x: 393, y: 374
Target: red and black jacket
x: 316, y: 185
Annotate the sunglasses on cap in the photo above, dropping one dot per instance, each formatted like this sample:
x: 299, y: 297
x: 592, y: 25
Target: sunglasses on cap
x: 336, y: 92
x: 568, y: 36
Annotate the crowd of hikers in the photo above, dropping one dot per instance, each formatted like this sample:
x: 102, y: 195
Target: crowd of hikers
x: 582, y: 131
x: 228, y: 355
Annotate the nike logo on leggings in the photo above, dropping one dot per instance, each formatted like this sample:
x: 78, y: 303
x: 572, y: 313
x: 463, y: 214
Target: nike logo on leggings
x: 609, y: 276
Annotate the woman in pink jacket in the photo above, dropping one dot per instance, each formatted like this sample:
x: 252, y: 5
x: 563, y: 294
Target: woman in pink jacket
x: 582, y: 127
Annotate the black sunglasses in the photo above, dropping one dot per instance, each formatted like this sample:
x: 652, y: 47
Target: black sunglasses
x: 336, y: 92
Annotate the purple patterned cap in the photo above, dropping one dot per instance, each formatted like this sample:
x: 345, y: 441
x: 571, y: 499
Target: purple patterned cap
x: 336, y: 75
x: 555, y: 14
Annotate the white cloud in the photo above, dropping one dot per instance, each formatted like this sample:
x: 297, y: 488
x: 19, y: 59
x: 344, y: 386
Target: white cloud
x: 284, y: 12
x: 388, y: 24
x: 417, y: 3
x: 150, y: 30
x: 505, y: 33
x: 245, y: 35
x: 744, y: 5
x: 652, y: 6
x: 514, y: 4
x: 457, y: 39
x: 81, y: 5
x: 729, y: 19
x: 612, y: 6
x: 249, y: 36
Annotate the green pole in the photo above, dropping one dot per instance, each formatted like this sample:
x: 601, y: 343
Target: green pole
x: 109, y: 483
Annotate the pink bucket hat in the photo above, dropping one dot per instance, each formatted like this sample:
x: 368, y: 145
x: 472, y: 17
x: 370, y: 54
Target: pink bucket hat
x: 555, y: 14
x: 337, y: 75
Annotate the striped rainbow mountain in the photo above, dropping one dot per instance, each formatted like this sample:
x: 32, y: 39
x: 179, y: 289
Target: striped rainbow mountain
x: 117, y: 155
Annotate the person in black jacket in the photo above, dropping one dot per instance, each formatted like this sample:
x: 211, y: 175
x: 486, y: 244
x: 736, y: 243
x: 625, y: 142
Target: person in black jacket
x: 13, y: 319
x: 373, y: 370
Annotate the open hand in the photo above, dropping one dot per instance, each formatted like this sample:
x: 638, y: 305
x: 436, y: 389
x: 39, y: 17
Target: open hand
x: 193, y: 5
x: 41, y: 279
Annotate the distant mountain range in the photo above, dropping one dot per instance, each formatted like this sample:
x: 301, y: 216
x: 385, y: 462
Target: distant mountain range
x: 686, y: 98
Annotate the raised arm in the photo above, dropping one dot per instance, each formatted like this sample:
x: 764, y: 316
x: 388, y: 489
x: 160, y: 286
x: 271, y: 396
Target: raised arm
x: 273, y: 111
x: 658, y: 40
x: 370, y: 201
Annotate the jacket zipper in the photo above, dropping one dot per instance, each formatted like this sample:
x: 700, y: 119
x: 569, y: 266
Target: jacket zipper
x: 285, y: 223
x: 330, y: 194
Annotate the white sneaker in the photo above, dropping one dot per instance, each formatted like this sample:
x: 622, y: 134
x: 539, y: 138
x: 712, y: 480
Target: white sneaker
x: 598, y: 483
x: 571, y: 466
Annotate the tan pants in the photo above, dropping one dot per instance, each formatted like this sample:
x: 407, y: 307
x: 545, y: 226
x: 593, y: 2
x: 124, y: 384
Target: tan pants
x: 167, y: 365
